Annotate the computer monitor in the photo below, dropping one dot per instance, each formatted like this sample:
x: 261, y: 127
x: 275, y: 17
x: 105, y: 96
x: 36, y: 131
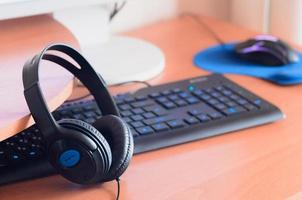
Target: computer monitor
x: 21, y: 8
x: 118, y: 59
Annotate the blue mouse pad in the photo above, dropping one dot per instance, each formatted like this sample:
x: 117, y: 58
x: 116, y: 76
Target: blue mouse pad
x: 222, y: 59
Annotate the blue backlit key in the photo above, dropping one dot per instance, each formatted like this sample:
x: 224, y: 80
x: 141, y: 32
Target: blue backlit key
x: 160, y: 127
x: 176, y: 123
x: 145, y: 130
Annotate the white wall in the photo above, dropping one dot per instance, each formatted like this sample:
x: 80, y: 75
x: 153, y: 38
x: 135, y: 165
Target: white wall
x: 142, y: 12
x: 253, y: 14
x: 137, y: 13
x: 215, y: 8
x: 277, y: 17
x: 285, y: 19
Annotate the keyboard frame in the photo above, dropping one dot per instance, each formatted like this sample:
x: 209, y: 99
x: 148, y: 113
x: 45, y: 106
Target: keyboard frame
x: 266, y: 114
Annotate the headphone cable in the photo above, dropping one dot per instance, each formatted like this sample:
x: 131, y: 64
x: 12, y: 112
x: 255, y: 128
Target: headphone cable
x: 114, y: 85
x: 118, y: 188
x: 201, y: 23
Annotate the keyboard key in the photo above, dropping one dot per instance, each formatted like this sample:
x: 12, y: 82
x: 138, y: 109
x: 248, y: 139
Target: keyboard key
x: 191, y: 120
x: 127, y: 119
x: 213, y: 101
x: 76, y: 110
x: 118, y: 101
x: 184, y: 95
x: 215, y: 94
x: 227, y: 92
x: 198, y: 92
x: 176, y: 90
x: 209, y: 90
x: 169, y: 105
x: 34, y: 153
x: 230, y: 104
x: 195, y: 112
x: 215, y: 115
x: 148, y: 115
x: 3, y: 160
x: 133, y: 132
x: 242, y: 101
x: 65, y: 112
x: 205, y: 97
x: 166, y: 92
x: 173, y: 97
x: 234, y: 97
x: 89, y: 107
x: 123, y: 96
x: 158, y: 110
x: 79, y: 116
x: 181, y: 103
x: 140, y: 104
x: 162, y: 99
x: 124, y: 107
x: 233, y: 110
x: 154, y: 95
x: 203, y: 118
x: 219, y: 88
x: 136, y: 124
x: 90, y: 114
x: 250, y: 106
x: 89, y: 120
x: 126, y: 113
x: 176, y: 123
x: 141, y: 97
x: 156, y: 120
x: 223, y: 99
x: 220, y: 106
x: 15, y: 157
x: 145, y: 130
x: 129, y: 99
x: 192, y: 100
x: 136, y: 117
x: 160, y: 127
x: 258, y: 102
x: 98, y: 112
x: 137, y: 111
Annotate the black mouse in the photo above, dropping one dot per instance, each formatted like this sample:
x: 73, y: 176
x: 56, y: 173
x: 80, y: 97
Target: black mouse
x: 267, y: 50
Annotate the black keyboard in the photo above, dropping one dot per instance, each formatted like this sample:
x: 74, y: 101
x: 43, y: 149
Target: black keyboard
x: 159, y: 117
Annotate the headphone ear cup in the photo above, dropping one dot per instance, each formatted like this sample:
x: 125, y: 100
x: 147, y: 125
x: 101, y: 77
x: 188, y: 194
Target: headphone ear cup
x: 120, y: 139
x: 103, y: 147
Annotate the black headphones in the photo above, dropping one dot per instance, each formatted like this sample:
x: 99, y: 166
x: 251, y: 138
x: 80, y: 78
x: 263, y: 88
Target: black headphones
x: 80, y: 152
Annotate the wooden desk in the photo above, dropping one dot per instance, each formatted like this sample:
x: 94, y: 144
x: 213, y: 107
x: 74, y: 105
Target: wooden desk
x: 20, y: 40
x: 259, y: 163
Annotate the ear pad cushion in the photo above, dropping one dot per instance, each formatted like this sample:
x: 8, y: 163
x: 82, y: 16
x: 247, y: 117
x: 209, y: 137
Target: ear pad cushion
x: 120, y: 139
x: 93, y: 134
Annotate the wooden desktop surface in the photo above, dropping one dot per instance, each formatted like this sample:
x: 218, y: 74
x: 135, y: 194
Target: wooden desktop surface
x: 20, y: 40
x: 258, y: 163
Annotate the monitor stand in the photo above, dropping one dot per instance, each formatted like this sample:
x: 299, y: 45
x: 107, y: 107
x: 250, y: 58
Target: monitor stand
x: 123, y: 58
x: 116, y: 58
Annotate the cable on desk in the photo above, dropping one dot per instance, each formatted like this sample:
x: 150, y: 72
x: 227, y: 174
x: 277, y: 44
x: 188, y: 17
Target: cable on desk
x: 79, y: 98
x: 114, y: 85
x: 118, y: 188
x: 130, y: 82
x: 199, y: 21
x: 117, y: 8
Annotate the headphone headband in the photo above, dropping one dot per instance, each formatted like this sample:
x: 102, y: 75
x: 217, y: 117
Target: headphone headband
x: 86, y: 74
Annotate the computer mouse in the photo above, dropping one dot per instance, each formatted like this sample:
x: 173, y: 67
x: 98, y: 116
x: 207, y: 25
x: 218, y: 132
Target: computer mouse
x: 267, y: 50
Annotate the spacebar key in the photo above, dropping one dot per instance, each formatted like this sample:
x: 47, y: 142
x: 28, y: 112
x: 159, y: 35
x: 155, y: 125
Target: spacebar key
x: 157, y: 120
